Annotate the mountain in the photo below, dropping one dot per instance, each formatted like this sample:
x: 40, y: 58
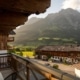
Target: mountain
x: 57, y: 28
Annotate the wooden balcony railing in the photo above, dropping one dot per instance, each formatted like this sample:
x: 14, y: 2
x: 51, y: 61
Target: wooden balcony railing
x: 28, y: 69
x: 5, y: 60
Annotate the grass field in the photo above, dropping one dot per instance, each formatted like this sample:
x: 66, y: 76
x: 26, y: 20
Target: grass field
x: 27, y: 53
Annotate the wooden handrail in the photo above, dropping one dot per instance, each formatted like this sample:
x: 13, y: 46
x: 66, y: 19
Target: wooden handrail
x: 49, y: 73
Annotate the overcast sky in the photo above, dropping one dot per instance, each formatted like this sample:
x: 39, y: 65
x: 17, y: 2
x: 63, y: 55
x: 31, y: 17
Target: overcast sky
x: 57, y: 5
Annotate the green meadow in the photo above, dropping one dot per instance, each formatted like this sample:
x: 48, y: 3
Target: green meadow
x: 26, y: 53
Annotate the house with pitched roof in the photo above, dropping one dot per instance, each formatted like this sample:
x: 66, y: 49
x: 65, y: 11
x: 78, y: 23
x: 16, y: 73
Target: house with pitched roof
x: 69, y: 53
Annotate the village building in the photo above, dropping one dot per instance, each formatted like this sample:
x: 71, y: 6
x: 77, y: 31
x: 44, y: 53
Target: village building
x: 69, y: 53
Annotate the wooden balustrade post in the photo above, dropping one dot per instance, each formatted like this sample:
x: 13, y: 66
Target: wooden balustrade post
x: 27, y: 72
x: 14, y: 64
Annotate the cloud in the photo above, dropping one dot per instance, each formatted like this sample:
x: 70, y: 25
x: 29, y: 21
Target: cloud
x: 74, y: 4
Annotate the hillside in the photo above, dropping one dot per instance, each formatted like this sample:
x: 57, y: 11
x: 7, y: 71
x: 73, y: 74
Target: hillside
x: 56, y: 28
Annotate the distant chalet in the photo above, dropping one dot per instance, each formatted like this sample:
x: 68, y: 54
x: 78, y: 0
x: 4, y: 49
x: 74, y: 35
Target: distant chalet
x: 61, y: 51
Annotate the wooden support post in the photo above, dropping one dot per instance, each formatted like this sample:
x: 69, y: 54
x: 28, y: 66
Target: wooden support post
x: 3, y: 41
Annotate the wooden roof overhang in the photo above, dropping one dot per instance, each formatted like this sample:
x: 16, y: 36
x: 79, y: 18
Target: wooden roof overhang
x: 16, y: 12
